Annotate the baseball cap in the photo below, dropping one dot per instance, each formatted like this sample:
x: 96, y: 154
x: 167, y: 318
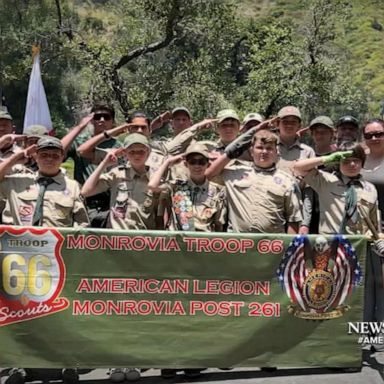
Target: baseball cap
x: 348, y: 119
x: 323, y: 120
x: 227, y: 114
x: 36, y: 130
x: 4, y: 114
x: 49, y: 142
x: 181, y: 109
x: 289, y: 111
x: 136, y: 138
x: 197, y: 148
x: 252, y: 117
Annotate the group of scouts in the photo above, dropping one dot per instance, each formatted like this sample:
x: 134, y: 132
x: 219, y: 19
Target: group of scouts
x: 257, y: 177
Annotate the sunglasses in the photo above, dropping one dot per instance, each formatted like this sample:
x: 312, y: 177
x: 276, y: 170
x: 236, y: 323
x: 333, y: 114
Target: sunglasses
x: 197, y: 161
x: 371, y: 135
x: 105, y: 116
x: 135, y: 128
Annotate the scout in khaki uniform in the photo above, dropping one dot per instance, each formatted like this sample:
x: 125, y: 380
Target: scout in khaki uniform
x: 261, y: 198
x: 290, y: 148
x: 323, y: 134
x: 102, y: 119
x: 132, y: 206
x: 194, y: 203
x: 347, y: 129
x: 44, y: 198
x: 184, y: 132
x: 228, y: 127
x: 7, y: 147
x: 346, y: 199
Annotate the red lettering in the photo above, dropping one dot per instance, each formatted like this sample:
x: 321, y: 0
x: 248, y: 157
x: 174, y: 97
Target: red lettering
x: 124, y: 242
x: 81, y: 308
x: 203, y: 245
x: 83, y: 286
x: 75, y: 242
x: 246, y: 244
x: 190, y: 242
x: 172, y: 245
x: 195, y: 306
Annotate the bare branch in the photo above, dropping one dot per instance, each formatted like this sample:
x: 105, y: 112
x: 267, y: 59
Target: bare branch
x: 67, y: 31
x: 174, y: 17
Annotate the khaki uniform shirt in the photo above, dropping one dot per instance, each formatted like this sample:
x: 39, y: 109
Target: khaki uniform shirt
x: 288, y: 154
x: 132, y: 206
x: 194, y: 207
x: 331, y: 190
x: 62, y: 206
x: 261, y: 201
x: 4, y: 154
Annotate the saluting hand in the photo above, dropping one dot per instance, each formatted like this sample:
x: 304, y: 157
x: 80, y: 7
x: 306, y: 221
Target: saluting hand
x: 159, y: 121
x: 206, y: 124
x: 175, y: 159
x: 337, y: 157
x: 112, y: 157
x: 22, y: 157
x: 9, y: 139
x: 86, y: 120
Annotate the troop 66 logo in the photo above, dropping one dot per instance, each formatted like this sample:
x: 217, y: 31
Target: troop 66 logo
x: 32, y: 274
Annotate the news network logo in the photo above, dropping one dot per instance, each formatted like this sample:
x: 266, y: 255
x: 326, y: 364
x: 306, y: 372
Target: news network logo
x: 370, y: 332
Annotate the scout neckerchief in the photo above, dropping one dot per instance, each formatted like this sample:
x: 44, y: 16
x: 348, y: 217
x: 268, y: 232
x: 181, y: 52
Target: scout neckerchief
x: 182, y: 206
x: 350, y: 212
x: 38, y: 213
x: 265, y: 170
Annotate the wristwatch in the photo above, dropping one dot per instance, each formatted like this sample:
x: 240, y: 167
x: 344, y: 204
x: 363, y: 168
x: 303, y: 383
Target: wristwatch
x: 106, y: 135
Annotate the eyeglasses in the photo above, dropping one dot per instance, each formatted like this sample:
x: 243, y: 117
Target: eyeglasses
x: 371, y: 135
x: 99, y: 116
x: 197, y: 161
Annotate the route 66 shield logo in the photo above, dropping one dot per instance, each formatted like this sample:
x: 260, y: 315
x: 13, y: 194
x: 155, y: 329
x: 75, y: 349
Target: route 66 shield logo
x: 32, y: 274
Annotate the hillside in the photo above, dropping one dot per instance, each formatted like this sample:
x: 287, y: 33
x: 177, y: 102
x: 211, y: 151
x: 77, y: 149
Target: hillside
x: 362, y: 42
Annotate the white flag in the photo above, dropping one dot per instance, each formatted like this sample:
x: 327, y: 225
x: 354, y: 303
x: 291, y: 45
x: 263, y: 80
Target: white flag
x: 37, y: 110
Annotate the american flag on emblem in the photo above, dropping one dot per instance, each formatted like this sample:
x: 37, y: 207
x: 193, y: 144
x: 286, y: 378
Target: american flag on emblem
x: 293, y: 269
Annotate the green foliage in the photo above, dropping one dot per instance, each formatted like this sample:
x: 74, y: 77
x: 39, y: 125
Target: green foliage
x: 206, y: 55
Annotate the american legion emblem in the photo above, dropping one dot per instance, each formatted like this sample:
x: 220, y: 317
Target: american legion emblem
x: 318, y: 278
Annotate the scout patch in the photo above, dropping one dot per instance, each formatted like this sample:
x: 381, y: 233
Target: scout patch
x: 277, y: 180
x: 26, y: 212
x: 182, y: 207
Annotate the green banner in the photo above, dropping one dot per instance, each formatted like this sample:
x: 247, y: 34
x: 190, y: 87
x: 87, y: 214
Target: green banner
x: 103, y: 298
